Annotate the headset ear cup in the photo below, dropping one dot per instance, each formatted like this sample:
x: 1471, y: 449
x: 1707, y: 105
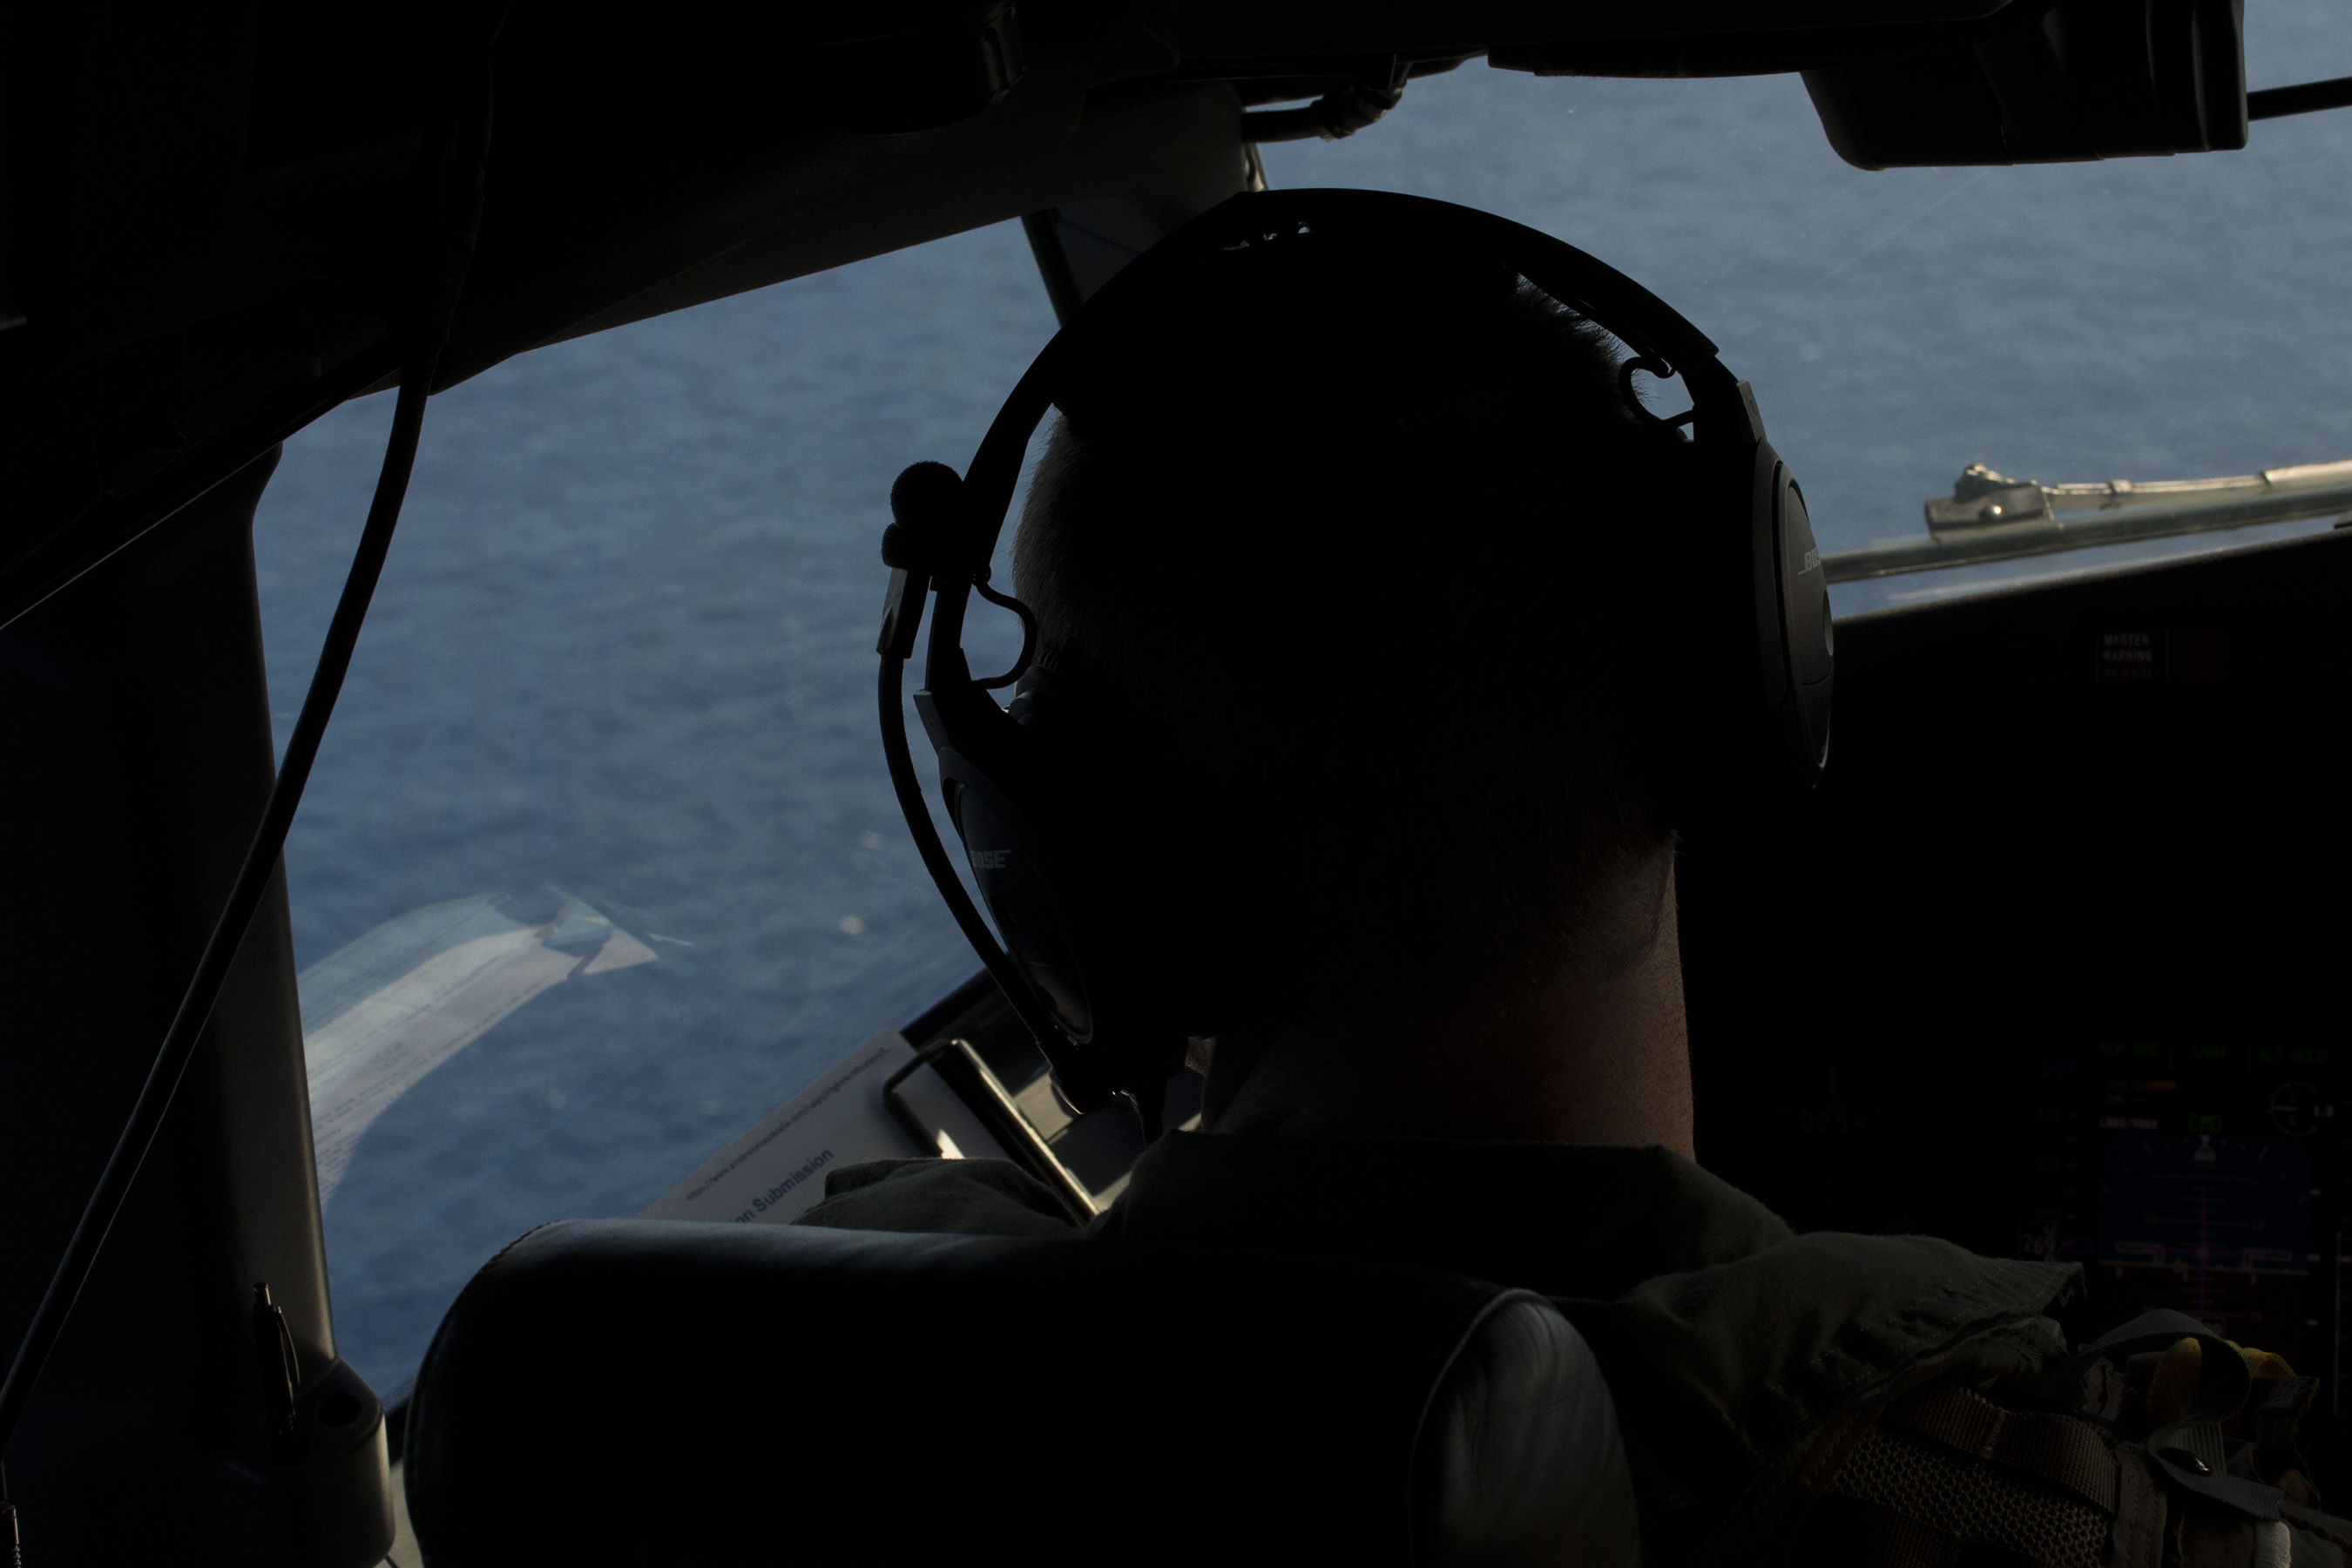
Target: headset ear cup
x: 989, y: 779
x: 1043, y: 926
x: 1808, y: 631
x: 1110, y: 835
x: 1795, y: 653
x: 1716, y: 678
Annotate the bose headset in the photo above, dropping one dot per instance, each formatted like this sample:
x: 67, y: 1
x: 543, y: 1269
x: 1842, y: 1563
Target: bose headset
x: 1750, y: 667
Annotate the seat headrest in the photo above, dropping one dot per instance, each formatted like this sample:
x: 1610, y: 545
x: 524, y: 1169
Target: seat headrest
x: 657, y: 1392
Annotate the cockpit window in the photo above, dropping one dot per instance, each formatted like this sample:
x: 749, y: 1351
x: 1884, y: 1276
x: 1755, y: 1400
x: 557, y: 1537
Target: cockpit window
x: 2145, y: 318
x: 600, y: 863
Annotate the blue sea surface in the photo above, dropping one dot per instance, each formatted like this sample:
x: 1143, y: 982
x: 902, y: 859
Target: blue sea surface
x: 624, y: 649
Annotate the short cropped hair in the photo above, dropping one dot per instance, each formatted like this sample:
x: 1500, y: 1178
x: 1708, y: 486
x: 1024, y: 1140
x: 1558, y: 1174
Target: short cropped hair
x: 1342, y: 572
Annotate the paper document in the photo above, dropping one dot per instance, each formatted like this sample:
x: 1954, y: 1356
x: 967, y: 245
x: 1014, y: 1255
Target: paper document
x: 778, y: 1168
x: 382, y: 1013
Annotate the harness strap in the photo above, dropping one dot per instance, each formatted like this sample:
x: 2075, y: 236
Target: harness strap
x: 2140, y: 1509
x: 2190, y: 1448
x: 2055, y: 1447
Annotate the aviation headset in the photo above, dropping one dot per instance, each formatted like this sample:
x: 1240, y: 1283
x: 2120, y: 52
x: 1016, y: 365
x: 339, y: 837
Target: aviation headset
x: 1746, y: 667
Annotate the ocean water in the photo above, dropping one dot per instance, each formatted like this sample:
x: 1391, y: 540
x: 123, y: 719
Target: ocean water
x: 621, y: 657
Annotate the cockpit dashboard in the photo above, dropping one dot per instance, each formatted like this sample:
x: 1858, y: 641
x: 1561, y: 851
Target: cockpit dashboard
x: 2054, y: 965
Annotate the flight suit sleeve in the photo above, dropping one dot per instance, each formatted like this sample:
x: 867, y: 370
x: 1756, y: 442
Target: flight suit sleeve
x: 969, y: 1198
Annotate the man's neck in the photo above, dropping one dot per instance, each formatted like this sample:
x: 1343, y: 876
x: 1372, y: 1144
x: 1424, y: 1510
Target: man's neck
x: 1589, y: 1059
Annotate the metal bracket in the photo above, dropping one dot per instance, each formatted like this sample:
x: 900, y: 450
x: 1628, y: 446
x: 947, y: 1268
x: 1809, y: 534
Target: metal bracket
x: 984, y: 1095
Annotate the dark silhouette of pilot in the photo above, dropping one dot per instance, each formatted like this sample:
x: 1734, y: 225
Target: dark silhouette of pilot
x: 1362, y: 580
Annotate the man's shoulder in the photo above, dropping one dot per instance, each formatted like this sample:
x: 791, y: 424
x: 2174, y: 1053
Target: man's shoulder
x: 1898, y: 1399
x: 1735, y: 1382
x: 1783, y: 1336
x: 1857, y: 1398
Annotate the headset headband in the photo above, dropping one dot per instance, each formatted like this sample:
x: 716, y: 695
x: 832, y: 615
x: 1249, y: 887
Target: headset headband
x: 1663, y: 341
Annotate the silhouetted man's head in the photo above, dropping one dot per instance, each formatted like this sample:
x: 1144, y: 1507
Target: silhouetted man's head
x: 1339, y: 554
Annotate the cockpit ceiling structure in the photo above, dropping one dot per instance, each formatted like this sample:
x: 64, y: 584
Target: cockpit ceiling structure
x: 202, y: 207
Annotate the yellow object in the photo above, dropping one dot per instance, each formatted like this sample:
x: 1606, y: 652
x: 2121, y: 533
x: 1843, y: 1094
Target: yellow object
x: 2264, y: 1363
x: 2173, y: 1389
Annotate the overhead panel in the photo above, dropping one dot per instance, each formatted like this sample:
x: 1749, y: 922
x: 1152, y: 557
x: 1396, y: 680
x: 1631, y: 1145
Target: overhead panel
x: 166, y: 315
x: 2082, y: 80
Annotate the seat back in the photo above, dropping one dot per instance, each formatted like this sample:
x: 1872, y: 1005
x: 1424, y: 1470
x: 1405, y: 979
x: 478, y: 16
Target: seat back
x: 654, y: 1391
